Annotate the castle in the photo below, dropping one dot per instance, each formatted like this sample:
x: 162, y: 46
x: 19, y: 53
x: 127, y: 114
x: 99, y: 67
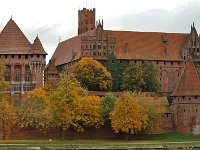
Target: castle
x: 25, y: 62
x: 172, y: 54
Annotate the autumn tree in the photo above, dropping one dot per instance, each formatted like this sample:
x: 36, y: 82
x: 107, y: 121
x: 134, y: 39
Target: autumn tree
x: 68, y: 89
x: 149, y: 77
x: 7, y: 117
x: 152, y: 109
x: 3, y: 84
x: 108, y: 103
x: 116, y: 68
x: 128, y: 116
x: 34, y: 112
x: 7, y: 112
x: 92, y: 75
x: 132, y: 78
x: 87, y: 113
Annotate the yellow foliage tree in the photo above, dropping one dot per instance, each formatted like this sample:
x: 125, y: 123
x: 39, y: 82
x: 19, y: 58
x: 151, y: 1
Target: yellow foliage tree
x: 128, y: 116
x: 34, y: 112
x: 7, y: 117
x: 92, y: 75
x: 68, y: 89
x: 3, y: 85
x: 7, y: 112
x: 87, y: 113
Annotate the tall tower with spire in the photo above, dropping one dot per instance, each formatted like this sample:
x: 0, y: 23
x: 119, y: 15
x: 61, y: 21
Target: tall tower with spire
x: 86, y: 20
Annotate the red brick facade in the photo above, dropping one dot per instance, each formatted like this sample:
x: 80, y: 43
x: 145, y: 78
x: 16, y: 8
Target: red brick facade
x: 169, y: 53
x: 25, y: 62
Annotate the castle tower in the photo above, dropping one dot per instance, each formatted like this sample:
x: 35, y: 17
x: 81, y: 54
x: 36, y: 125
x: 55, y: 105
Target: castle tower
x: 186, y: 101
x: 86, y: 20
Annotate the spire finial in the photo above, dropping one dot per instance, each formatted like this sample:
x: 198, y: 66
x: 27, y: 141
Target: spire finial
x: 193, y: 24
x: 11, y: 17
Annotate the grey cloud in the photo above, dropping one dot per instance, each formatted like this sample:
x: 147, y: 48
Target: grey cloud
x: 178, y: 20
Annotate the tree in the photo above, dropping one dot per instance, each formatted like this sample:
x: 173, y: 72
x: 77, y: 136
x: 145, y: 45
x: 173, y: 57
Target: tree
x: 3, y: 84
x: 128, y: 116
x: 92, y: 75
x: 7, y: 113
x: 7, y: 117
x: 116, y: 68
x: 68, y: 89
x: 34, y: 112
x: 152, y: 110
x: 108, y: 103
x: 87, y: 113
x: 149, y: 77
x: 132, y: 78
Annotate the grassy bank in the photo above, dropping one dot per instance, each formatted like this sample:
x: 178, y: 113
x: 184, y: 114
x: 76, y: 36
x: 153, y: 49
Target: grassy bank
x: 171, y: 140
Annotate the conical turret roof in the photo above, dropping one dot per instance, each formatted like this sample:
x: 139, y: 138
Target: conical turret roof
x: 37, y: 47
x: 189, y: 83
x: 12, y: 40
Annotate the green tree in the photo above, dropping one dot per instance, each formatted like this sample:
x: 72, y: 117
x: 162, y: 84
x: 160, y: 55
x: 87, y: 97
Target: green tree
x: 128, y: 116
x: 132, y: 78
x: 149, y: 77
x: 34, y: 112
x: 87, y: 113
x: 116, y: 68
x: 92, y: 75
x: 108, y: 103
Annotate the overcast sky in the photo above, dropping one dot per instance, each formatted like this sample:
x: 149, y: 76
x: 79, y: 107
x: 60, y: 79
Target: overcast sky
x: 53, y: 18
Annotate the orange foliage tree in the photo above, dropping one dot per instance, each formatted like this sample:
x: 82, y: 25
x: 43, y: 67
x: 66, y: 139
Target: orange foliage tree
x: 92, y: 75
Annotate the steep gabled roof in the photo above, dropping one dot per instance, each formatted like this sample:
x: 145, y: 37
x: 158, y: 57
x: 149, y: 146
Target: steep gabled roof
x: 12, y: 40
x: 36, y: 47
x: 189, y: 83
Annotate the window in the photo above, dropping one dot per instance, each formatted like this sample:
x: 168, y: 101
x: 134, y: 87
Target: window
x: 17, y: 76
x: 94, y: 46
x: 38, y: 55
x: 99, y: 46
x: 17, y: 87
x: 7, y: 76
x: 27, y: 76
x: 27, y: 87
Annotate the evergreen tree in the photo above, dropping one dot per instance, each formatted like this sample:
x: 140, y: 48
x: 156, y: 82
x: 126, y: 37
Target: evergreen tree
x: 116, y: 68
x: 149, y: 77
x: 132, y: 78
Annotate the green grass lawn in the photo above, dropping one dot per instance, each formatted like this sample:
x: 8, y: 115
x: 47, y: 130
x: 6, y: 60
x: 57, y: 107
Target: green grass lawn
x: 170, y: 140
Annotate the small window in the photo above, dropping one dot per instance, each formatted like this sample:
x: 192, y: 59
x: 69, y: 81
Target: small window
x: 164, y: 62
x: 12, y: 56
x: 38, y: 55
x: 183, y: 110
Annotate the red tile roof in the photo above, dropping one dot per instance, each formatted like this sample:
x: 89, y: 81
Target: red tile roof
x: 189, y: 83
x: 12, y: 40
x: 140, y: 45
x: 149, y: 45
x: 36, y: 47
x: 66, y: 49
